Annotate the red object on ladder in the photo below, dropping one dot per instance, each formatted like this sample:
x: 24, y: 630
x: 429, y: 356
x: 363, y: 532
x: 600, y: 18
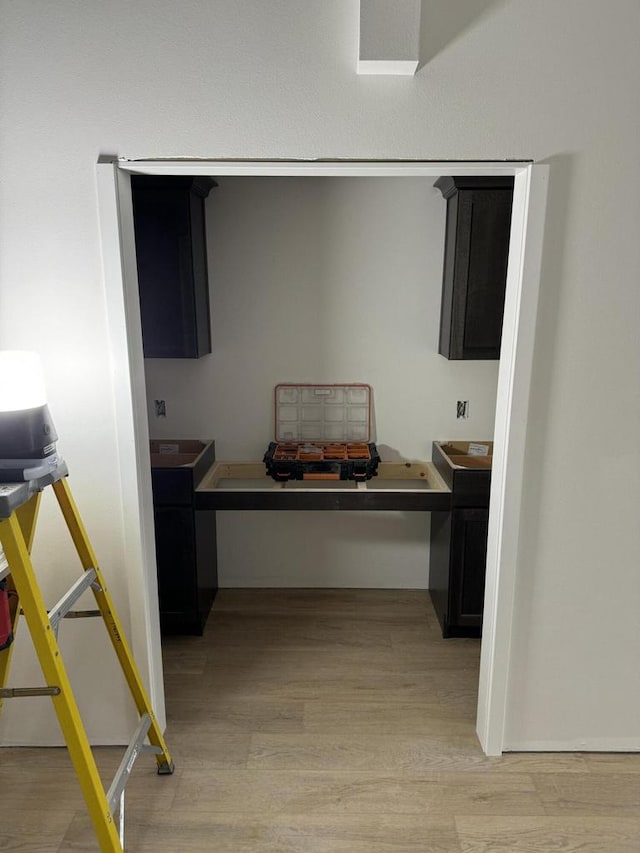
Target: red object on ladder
x: 6, y: 628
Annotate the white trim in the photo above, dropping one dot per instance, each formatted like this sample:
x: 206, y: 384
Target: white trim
x: 127, y: 368
x: 513, y: 380
x: 319, y: 168
x: 596, y: 744
x: 396, y: 67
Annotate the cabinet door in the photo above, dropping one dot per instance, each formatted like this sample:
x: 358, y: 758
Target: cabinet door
x: 467, y: 572
x: 475, y: 265
x: 176, y: 561
x: 165, y: 274
x: 200, y: 272
x: 173, y: 280
x: 484, y: 218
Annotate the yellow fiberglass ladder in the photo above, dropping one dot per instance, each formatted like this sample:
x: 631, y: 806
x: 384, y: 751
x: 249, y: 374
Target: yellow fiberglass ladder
x: 19, y: 503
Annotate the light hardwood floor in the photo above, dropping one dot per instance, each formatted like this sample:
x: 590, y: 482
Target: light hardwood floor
x: 320, y: 721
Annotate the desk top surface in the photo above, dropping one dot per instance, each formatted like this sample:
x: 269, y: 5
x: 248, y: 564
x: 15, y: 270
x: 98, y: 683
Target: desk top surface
x: 398, y: 486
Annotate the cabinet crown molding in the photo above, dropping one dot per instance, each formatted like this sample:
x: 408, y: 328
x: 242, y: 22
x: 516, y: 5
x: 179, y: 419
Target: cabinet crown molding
x: 448, y: 185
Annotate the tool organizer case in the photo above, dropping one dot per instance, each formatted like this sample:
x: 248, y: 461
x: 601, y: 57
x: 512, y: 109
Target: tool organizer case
x: 322, y: 433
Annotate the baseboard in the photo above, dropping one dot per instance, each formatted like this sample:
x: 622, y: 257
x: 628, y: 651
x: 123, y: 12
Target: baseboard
x: 622, y: 744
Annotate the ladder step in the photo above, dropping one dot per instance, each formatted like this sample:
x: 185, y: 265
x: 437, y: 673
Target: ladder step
x: 82, y: 614
x: 67, y: 601
x: 128, y: 760
x: 20, y: 692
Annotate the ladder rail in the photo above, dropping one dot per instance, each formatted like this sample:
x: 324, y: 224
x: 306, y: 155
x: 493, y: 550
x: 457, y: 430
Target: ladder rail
x: 27, y: 516
x: 54, y: 671
x: 89, y: 561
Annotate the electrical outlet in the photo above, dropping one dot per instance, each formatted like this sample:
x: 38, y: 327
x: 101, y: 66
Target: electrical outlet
x: 160, y: 408
x: 462, y: 409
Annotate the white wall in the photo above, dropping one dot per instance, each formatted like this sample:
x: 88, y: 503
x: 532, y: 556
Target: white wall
x: 551, y: 81
x: 324, y: 280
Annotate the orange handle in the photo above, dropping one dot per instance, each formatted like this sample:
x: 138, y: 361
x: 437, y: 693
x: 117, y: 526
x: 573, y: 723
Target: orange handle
x: 321, y: 476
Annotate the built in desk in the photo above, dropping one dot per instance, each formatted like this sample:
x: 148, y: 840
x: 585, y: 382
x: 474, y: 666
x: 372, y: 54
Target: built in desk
x: 190, y: 487
x: 403, y: 486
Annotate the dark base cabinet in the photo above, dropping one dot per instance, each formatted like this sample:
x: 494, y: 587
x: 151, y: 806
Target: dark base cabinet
x: 185, y: 536
x: 457, y: 569
x: 187, y: 571
x: 458, y: 550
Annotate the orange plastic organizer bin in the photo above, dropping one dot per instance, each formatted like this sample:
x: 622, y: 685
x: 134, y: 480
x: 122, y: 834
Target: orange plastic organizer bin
x: 322, y: 433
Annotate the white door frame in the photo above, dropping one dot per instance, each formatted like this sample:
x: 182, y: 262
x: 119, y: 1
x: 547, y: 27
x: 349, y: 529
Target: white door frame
x: 118, y: 246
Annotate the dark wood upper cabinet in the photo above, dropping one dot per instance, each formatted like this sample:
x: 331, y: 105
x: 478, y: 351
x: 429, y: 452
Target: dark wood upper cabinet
x: 475, y: 265
x: 173, y: 279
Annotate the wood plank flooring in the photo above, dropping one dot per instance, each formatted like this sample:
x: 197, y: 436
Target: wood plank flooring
x: 314, y: 721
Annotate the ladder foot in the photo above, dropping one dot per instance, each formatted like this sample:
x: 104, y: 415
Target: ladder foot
x: 166, y: 769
